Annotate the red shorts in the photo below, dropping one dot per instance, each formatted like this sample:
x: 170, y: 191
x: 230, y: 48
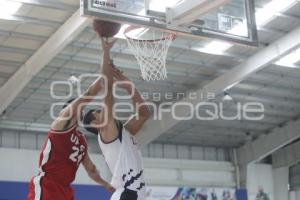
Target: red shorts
x: 41, y: 188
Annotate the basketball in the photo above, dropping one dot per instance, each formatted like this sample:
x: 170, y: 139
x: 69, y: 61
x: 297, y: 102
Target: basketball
x: 106, y: 28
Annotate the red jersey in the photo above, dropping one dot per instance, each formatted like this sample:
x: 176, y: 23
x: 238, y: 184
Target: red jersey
x: 59, y: 161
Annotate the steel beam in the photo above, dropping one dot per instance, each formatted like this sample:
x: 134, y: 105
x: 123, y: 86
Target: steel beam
x: 23, y: 35
x: 286, y: 156
x: 268, y: 144
x: 55, y: 44
x: 23, y: 19
x: 49, y: 4
x: 258, y: 61
x: 125, y: 66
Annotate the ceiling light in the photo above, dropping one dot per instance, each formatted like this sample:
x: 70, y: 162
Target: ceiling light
x: 268, y: 12
x: 231, y: 86
x: 216, y: 47
x: 135, y: 33
x: 290, y: 59
x: 227, y: 97
x: 73, y: 80
x: 8, y: 8
x: 120, y: 34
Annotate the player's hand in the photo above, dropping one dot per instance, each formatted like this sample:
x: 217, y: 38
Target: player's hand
x: 109, y: 187
x: 107, y: 45
x: 124, y: 82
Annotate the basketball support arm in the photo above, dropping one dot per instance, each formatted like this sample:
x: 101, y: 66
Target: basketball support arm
x: 189, y: 10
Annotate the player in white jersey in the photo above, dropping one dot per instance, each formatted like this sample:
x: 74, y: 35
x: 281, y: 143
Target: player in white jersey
x: 117, y: 141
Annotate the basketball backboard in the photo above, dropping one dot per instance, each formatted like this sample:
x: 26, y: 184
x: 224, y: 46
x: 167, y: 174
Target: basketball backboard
x: 230, y: 20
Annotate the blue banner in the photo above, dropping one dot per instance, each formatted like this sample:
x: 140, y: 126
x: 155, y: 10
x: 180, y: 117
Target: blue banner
x: 19, y: 191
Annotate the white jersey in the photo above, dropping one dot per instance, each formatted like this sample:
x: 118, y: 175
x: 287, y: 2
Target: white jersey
x: 124, y: 160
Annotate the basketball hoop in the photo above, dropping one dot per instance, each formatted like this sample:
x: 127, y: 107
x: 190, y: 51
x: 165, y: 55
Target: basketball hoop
x: 150, y: 47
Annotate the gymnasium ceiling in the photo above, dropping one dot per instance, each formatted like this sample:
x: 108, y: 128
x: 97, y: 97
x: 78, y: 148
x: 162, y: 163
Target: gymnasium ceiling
x: 277, y: 87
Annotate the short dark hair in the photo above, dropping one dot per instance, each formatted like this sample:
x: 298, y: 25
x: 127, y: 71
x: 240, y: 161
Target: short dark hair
x: 68, y: 102
x: 87, y: 119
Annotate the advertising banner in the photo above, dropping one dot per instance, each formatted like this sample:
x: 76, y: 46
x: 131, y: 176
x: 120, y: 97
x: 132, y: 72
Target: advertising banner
x: 188, y: 193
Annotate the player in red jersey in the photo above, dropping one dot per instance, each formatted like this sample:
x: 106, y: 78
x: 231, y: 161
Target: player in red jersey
x: 64, y: 149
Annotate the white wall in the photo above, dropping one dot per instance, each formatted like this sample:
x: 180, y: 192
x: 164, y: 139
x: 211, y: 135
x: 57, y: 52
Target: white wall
x: 281, y: 181
x: 259, y: 175
x: 21, y: 165
x: 156, y: 150
x: 294, y: 195
x: 297, y: 194
x: 30, y: 140
x: 189, y: 172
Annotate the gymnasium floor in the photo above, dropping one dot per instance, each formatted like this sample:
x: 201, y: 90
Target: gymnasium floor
x: 183, y: 159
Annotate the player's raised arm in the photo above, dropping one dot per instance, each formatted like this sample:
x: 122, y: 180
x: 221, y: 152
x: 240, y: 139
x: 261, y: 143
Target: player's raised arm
x: 102, y: 120
x: 107, y: 72
x: 67, y: 117
x: 109, y: 128
x: 136, y: 122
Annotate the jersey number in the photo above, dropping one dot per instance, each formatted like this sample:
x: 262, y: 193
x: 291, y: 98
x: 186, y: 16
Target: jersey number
x: 76, y: 156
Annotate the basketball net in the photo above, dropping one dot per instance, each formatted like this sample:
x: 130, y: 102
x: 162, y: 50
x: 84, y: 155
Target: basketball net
x: 149, y: 51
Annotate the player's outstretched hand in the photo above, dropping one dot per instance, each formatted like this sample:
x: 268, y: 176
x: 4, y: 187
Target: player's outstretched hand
x: 124, y: 82
x: 109, y: 187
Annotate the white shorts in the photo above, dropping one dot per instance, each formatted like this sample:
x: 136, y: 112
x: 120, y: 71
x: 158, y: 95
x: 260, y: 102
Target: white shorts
x: 117, y: 194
